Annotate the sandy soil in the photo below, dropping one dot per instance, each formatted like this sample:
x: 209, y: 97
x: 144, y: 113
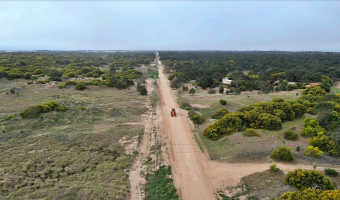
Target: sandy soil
x: 150, y: 120
x: 137, y: 181
x: 194, y: 175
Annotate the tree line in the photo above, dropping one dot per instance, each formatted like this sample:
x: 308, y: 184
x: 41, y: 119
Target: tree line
x: 59, y: 65
x: 260, y: 70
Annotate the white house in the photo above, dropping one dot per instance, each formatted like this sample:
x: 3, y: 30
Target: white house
x: 226, y: 81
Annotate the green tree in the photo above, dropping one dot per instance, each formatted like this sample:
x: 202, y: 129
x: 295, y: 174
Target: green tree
x: 221, y: 90
x: 192, y: 91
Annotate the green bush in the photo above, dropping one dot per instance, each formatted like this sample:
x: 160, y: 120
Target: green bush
x: 223, y: 102
x: 290, y: 135
x: 282, y: 153
x: 331, y: 172
x: 195, y: 117
x: 273, y: 168
x: 219, y: 113
x: 311, y: 127
x: 250, y: 132
x: 278, y: 100
x: 298, y: 148
x: 301, y: 179
x: 269, y: 122
x: 80, y: 86
x: 227, y: 125
x: 35, y: 111
x: 143, y: 91
x: 160, y: 185
x: 313, y: 151
x: 43, y: 81
x: 310, y: 194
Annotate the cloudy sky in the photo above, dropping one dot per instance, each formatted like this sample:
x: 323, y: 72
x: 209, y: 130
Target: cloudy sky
x: 170, y: 25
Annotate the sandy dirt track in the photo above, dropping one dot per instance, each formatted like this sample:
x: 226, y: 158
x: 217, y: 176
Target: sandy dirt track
x: 188, y: 173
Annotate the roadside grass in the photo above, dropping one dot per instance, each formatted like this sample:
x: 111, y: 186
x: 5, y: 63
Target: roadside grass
x: 207, y: 112
x: 153, y: 72
x: 237, y: 148
x: 67, y: 155
x: 335, y: 90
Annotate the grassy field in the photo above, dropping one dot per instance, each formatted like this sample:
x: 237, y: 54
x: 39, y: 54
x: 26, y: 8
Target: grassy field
x: 75, y: 154
x: 335, y: 90
x: 236, y: 147
x: 202, y: 97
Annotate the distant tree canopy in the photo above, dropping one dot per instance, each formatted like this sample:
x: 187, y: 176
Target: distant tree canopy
x: 265, y: 69
x: 56, y: 65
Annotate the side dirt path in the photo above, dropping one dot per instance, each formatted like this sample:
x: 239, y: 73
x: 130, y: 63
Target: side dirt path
x: 141, y: 165
x: 195, y: 176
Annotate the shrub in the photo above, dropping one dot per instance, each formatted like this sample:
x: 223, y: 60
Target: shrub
x: 250, y: 132
x: 212, y: 91
x: 143, y: 91
x: 89, y: 74
x: 185, y: 105
x: 197, y: 119
x: 310, y: 194
x: 313, y: 151
x: 80, y: 86
x: 43, y: 81
x: 290, y: 135
x: 229, y: 124
x: 331, y: 172
x: 298, y: 148
x: 61, y: 85
x: 223, y: 102
x: 299, y: 109
x: 268, y: 121
x: 35, y: 111
x: 219, y: 113
x: 311, y: 127
x: 273, y: 168
x: 301, y: 179
x: 278, y: 100
x: 282, y: 153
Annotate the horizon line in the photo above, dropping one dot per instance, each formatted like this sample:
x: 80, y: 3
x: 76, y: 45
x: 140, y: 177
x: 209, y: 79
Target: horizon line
x: 1, y: 50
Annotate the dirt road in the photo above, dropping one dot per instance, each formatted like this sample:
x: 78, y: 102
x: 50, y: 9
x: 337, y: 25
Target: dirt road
x: 188, y: 173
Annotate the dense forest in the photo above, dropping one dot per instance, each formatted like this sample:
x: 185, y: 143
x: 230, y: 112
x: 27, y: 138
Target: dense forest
x: 254, y: 69
x: 58, y: 65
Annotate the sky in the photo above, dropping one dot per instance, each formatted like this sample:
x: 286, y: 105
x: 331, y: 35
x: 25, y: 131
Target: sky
x: 170, y: 25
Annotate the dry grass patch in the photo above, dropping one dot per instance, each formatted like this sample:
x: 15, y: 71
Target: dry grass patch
x: 237, y: 148
x: 67, y: 155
